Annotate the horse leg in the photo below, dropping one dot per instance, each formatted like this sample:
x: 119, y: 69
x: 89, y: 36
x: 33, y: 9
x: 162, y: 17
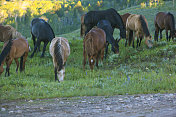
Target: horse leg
x: 161, y: 36
x: 140, y: 41
x: 84, y: 56
x: 167, y: 35
x: 106, y: 52
x: 8, y: 62
x: 35, y: 48
x: 127, y: 37
x: 137, y: 42
x: 55, y: 72
x: 44, y: 48
x: 17, y: 63
x: 22, y: 61
x: 170, y: 35
x: 156, y: 32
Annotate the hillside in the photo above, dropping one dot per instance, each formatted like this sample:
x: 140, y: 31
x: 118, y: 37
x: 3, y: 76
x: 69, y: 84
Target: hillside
x: 133, y: 71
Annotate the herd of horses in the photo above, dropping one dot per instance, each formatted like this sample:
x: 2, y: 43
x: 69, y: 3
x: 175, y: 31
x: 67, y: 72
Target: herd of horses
x: 97, y: 29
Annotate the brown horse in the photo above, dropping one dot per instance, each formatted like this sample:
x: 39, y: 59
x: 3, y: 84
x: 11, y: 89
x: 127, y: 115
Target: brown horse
x: 93, y: 45
x: 59, y: 50
x: 8, y: 32
x: 82, y: 30
x: 165, y: 21
x: 138, y: 24
x: 14, y: 49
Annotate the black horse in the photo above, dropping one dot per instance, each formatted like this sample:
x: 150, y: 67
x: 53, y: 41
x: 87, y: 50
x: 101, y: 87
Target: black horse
x: 93, y: 17
x: 41, y: 30
x: 106, y: 26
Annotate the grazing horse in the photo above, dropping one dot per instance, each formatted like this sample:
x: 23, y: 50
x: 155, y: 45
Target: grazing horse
x: 8, y: 32
x: 93, y: 17
x: 94, y: 44
x: 41, y: 30
x: 165, y: 21
x: 14, y: 49
x: 138, y: 24
x: 106, y: 26
x: 59, y: 50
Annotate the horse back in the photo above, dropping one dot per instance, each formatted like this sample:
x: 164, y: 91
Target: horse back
x: 42, y: 30
x: 97, y: 37
x: 159, y: 19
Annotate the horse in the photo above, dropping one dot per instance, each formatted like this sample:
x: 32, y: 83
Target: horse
x: 59, y: 50
x: 8, y: 32
x: 93, y: 17
x: 106, y: 26
x: 139, y: 25
x: 94, y: 44
x: 41, y: 30
x: 165, y: 21
x: 14, y: 49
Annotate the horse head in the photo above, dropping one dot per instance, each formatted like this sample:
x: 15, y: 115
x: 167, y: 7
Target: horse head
x: 92, y: 59
x: 149, y: 41
x: 61, y: 74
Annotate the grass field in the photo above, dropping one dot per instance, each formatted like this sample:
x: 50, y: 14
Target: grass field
x: 133, y: 71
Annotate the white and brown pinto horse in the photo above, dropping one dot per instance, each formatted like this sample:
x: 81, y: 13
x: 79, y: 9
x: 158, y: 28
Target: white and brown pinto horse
x: 59, y: 50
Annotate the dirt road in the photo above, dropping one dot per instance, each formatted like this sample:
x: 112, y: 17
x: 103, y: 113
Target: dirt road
x: 149, y: 105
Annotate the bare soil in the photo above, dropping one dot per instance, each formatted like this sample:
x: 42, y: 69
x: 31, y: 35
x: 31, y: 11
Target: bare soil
x: 145, y: 105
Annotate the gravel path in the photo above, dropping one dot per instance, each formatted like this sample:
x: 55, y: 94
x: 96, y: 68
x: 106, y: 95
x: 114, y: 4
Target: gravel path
x: 149, y: 105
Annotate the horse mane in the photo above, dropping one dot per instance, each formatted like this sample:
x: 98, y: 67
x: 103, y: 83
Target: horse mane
x: 5, y: 51
x: 58, y: 54
x: 144, y: 26
x: 173, y: 20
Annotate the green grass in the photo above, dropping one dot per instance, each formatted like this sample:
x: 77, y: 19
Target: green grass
x: 133, y: 71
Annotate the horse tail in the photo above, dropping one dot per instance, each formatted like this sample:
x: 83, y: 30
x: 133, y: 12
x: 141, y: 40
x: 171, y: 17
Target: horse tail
x: 5, y: 51
x: 144, y: 26
x: 173, y: 22
x: 58, y: 55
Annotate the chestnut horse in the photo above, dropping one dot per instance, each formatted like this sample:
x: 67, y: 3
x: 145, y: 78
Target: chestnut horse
x: 138, y: 24
x: 59, y: 50
x: 94, y: 44
x: 165, y: 21
x: 14, y: 49
x: 8, y: 32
